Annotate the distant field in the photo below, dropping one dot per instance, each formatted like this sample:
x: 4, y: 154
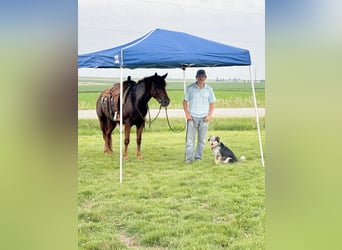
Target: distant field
x: 89, y: 84
x: 228, y: 94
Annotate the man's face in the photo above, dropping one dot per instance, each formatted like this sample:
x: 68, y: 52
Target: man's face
x: 201, y: 78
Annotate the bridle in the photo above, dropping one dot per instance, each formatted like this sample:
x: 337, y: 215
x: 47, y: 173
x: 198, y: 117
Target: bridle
x: 156, y: 92
x: 167, y: 116
x: 148, y: 109
x: 155, y: 118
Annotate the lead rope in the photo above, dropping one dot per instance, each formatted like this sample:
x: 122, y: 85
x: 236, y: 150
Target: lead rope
x: 168, y: 122
x: 149, y: 116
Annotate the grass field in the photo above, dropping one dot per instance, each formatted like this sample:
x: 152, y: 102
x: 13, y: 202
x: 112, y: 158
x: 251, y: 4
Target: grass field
x: 228, y: 94
x: 164, y: 203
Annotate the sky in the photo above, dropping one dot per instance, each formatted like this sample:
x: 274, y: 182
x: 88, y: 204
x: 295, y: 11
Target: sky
x: 104, y: 24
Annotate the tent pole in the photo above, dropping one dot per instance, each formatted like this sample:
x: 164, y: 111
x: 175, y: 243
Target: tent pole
x: 184, y: 89
x: 121, y: 119
x: 184, y: 82
x: 256, y: 116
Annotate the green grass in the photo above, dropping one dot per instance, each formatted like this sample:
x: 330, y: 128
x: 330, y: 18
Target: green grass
x: 228, y: 95
x: 164, y: 203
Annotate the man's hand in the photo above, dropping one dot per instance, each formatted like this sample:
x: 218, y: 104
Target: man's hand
x: 207, y: 118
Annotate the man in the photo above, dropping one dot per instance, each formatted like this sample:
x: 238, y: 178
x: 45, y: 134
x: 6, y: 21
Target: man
x: 199, y: 103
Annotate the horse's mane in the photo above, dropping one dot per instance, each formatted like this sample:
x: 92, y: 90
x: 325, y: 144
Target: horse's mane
x: 149, y: 79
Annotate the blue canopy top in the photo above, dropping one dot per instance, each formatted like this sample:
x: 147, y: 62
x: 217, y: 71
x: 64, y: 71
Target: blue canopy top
x: 166, y: 49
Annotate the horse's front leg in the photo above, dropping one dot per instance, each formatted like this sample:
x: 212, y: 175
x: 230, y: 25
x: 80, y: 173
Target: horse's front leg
x: 127, y: 135
x: 139, y: 139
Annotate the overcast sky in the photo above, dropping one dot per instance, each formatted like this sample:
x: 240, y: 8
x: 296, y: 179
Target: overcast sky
x: 104, y: 24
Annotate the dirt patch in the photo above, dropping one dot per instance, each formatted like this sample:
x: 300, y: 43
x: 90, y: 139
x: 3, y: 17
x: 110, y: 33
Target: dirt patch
x: 133, y: 243
x: 128, y: 241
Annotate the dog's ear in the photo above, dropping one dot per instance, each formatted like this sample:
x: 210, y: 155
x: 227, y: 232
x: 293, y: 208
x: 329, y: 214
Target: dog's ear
x: 209, y: 138
x: 217, y: 138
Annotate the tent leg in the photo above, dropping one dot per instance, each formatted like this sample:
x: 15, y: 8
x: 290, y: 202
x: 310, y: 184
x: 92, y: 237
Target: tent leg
x: 184, y: 81
x: 257, y: 117
x: 121, y: 120
x: 184, y: 89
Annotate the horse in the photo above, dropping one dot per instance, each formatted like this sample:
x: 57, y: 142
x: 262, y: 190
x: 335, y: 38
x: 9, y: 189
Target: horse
x: 135, y: 106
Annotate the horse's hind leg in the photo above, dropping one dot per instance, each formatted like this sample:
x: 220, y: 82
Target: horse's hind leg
x: 110, y: 127
x: 107, y: 126
x: 106, y: 134
x: 103, y: 125
x: 139, y: 139
x: 127, y: 139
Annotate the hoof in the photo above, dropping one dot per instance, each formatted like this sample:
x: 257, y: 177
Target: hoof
x: 108, y: 151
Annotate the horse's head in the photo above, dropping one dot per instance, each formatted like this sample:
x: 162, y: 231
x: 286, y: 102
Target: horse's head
x: 158, y: 90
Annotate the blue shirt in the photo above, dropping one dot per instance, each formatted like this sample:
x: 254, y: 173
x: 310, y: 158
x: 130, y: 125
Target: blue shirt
x: 199, y: 99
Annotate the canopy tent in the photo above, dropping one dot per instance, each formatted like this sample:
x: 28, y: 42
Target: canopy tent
x: 166, y: 49
x: 169, y: 49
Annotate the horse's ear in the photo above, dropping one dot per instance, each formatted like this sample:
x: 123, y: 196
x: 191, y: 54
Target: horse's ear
x: 164, y: 76
x: 155, y: 74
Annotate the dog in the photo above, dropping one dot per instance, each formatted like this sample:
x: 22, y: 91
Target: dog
x: 222, y: 153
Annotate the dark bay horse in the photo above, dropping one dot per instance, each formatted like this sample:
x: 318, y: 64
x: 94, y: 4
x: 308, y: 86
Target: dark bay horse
x: 135, y: 99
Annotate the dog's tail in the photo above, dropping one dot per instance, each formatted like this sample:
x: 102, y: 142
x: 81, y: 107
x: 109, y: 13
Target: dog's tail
x: 242, y: 158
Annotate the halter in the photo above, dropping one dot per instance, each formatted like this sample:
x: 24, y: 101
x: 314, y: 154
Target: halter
x: 148, y: 109
x: 155, y: 90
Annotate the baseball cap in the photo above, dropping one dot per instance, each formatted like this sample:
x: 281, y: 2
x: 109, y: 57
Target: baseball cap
x: 201, y: 72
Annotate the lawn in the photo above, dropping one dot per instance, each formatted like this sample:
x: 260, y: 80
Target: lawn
x: 164, y: 203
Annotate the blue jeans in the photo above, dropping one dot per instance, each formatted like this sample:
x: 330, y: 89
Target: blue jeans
x: 199, y: 126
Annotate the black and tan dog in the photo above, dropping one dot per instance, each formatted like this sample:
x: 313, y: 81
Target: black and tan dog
x: 222, y: 153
